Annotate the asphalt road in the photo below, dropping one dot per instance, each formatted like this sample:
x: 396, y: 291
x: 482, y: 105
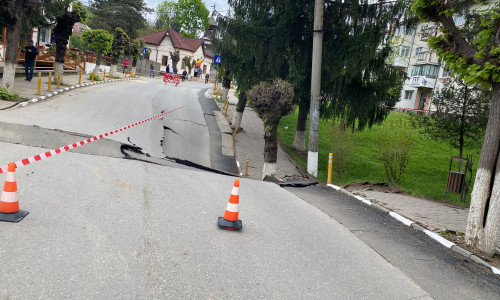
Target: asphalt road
x: 104, y: 227
x: 443, y: 273
x: 182, y: 134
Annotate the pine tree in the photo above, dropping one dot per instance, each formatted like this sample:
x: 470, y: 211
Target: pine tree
x: 126, y: 14
x: 357, y: 80
x: 277, y: 40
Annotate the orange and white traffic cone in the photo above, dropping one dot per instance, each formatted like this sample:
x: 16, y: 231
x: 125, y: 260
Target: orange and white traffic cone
x: 9, y: 204
x: 230, y: 220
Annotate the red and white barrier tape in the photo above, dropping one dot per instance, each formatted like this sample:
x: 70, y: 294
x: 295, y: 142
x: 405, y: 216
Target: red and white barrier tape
x: 29, y: 160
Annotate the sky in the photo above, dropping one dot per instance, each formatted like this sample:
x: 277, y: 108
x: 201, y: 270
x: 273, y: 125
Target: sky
x: 220, y: 5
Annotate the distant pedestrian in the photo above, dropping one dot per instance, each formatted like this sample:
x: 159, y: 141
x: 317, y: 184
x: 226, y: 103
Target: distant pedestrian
x: 167, y: 69
x: 126, y: 63
x: 206, y: 78
x: 29, y: 59
x: 152, y: 70
x: 184, y: 74
x: 170, y: 70
x: 195, y: 72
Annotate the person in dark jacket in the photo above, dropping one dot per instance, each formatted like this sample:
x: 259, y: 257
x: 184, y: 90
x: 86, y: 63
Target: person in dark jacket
x: 29, y: 59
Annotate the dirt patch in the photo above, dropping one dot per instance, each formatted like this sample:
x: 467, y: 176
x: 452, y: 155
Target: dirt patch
x: 374, y: 186
x: 458, y: 238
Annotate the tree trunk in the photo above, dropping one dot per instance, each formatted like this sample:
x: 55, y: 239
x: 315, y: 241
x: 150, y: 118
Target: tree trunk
x: 226, y: 85
x: 112, y: 70
x: 299, y: 143
x: 13, y: 36
x: 270, y: 150
x: 240, y: 108
x: 59, y: 68
x: 97, y: 63
x: 484, y: 214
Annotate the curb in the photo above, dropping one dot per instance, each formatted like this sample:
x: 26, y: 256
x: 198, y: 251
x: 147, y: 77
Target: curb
x: 62, y: 90
x: 446, y: 243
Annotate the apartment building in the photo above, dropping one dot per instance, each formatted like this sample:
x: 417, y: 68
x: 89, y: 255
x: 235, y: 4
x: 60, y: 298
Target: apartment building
x: 425, y: 72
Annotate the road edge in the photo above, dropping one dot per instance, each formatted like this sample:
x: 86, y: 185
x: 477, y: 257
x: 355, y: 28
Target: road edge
x: 444, y: 242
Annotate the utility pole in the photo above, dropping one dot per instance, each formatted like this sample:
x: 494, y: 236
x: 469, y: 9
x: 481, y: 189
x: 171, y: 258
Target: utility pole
x: 312, y: 154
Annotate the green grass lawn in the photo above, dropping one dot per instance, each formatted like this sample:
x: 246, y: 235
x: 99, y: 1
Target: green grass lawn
x: 426, y: 173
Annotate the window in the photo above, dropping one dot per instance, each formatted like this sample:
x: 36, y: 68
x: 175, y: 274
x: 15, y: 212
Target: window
x: 405, y: 51
x: 459, y: 20
x: 164, y: 60
x: 430, y: 71
x: 183, y: 65
x: 204, y: 69
x: 408, y: 95
x: 419, y: 50
x: 43, y: 35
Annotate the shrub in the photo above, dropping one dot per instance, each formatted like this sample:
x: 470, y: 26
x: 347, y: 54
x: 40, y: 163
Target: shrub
x: 9, y: 96
x: 394, y: 143
x: 343, y: 149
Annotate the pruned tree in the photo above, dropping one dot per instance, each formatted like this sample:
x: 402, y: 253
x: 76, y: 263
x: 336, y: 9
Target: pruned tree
x: 135, y: 50
x: 12, y: 13
x: 226, y: 85
x: 176, y: 57
x: 64, y: 29
x: 475, y: 60
x: 188, y: 62
x: 121, y: 41
x: 30, y: 13
x: 100, y: 41
x: 461, y: 115
x: 272, y: 101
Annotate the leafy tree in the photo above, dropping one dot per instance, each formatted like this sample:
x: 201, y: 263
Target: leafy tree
x: 272, y: 101
x: 461, y: 115
x: 77, y: 42
x: 121, y: 41
x: 476, y: 61
x: 188, y: 17
x: 165, y: 16
x: 126, y: 14
x: 100, y: 41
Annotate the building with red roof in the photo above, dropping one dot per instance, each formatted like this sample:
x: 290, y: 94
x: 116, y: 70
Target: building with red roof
x: 161, y: 43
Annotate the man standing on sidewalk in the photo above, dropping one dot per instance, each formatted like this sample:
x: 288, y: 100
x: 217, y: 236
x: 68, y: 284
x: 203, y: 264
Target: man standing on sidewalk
x: 29, y: 59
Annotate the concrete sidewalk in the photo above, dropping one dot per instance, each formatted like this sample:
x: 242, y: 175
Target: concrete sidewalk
x: 28, y: 90
x: 434, y: 216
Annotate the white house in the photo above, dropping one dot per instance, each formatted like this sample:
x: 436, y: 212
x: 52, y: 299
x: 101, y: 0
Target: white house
x: 163, y: 42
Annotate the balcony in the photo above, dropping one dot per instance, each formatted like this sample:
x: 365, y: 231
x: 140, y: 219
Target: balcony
x: 422, y: 82
x: 424, y: 56
x: 427, y: 32
x: 401, y: 62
